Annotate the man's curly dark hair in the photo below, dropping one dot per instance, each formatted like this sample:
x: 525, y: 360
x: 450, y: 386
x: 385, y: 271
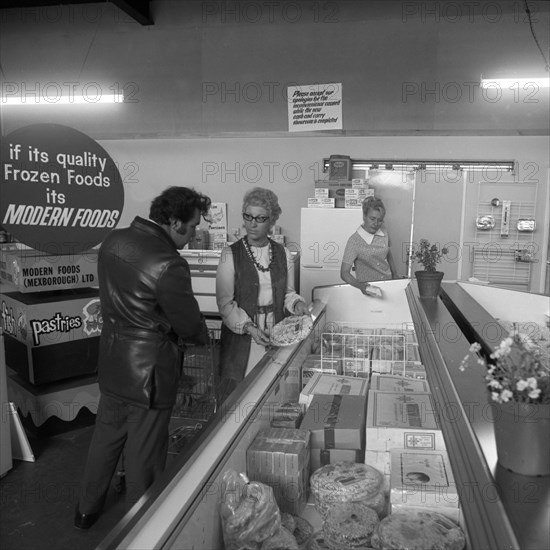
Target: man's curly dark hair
x: 178, y: 203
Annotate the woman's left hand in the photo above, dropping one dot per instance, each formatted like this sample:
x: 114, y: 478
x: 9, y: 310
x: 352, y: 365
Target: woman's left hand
x: 301, y: 308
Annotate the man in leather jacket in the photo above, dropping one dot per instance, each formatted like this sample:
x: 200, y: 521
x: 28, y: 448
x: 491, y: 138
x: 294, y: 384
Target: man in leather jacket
x: 148, y: 308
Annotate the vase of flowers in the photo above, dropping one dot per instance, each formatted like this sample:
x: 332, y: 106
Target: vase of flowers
x: 518, y: 380
x: 429, y: 280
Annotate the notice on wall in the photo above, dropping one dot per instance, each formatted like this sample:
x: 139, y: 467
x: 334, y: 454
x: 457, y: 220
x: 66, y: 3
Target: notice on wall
x: 315, y: 107
x: 61, y: 191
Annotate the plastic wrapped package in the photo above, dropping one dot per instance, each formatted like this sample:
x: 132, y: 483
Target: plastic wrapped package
x: 417, y: 530
x: 348, y: 482
x: 283, y: 539
x: 249, y: 512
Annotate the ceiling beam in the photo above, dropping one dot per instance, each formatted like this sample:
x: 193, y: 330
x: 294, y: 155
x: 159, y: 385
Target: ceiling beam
x: 136, y: 9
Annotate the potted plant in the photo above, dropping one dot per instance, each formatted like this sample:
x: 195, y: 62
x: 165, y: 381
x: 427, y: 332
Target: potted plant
x: 517, y: 374
x: 429, y: 280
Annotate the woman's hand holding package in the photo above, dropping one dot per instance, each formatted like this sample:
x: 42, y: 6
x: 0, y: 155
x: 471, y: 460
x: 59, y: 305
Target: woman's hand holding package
x: 258, y: 335
x: 300, y: 308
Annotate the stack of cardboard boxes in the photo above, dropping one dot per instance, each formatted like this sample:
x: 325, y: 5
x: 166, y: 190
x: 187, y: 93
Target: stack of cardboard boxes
x: 279, y: 457
x: 340, y: 190
x: 335, y: 416
x: 383, y: 415
x: 340, y: 193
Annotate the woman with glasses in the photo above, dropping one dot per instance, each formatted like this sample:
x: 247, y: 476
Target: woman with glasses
x: 254, y: 289
x: 368, y: 249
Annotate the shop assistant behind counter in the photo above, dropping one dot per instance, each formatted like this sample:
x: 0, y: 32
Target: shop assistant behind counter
x: 368, y: 249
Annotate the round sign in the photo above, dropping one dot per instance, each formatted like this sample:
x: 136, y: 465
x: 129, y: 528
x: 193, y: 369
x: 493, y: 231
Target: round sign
x: 61, y: 191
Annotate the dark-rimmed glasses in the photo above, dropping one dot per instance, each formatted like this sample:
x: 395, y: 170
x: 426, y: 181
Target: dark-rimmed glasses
x: 257, y: 219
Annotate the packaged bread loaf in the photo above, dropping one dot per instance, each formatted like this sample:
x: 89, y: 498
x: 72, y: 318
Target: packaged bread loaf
x: 417, y: 530
x: 348, y: 482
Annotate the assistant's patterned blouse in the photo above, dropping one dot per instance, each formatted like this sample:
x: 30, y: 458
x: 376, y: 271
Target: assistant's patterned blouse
x: 368, y: 253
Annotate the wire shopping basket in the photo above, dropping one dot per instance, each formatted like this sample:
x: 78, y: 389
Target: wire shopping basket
x: 196, y: 397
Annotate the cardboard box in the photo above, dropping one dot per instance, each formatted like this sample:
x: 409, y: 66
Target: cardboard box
x: 422, y: 478
x: 360, y: 193
x: 288, y: 415
x: 402, y: 420
x: 320, y: 202
x: 409, y: 369
x: 353, y: 203
x: 279, y: 457
x: 322, y: 457
x: 384, y: 356
x: 51, y: 336
x: 339, y: 167
x: 314, y: 363
x: 321, y: 193
x: 336, y: 421
x: 328, y: 384
x: 28, y: 270
x: 380, y: 460
x: 336, y: 190
x: 356, y: 367
x: 386, y: 382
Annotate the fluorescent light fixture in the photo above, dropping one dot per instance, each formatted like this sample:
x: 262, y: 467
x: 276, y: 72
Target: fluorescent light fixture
x: 63, y: 100
x: 510, y: 83
x: 408, y: 165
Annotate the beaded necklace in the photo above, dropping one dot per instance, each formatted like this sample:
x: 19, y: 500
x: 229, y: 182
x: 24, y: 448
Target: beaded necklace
x: 259, y: 266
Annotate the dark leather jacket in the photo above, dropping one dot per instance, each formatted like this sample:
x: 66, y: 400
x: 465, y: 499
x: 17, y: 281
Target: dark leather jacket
x: 147, y: 304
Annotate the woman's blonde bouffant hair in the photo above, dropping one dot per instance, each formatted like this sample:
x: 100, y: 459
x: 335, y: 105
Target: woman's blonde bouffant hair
x: 260, y: 196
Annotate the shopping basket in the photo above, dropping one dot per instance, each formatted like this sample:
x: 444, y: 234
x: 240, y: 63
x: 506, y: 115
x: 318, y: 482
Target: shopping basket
x: 196, y: 397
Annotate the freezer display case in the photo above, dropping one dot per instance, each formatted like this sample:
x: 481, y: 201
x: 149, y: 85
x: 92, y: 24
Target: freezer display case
x: 498, y: 509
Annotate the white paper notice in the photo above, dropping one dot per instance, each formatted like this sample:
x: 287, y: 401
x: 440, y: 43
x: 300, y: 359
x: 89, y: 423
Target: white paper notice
x: 315, y: 107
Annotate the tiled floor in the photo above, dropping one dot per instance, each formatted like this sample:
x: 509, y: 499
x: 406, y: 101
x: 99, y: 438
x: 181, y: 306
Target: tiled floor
x: 37, y: 499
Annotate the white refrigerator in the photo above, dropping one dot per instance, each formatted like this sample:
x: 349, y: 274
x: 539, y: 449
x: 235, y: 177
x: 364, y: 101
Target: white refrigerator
x: 324, y: 232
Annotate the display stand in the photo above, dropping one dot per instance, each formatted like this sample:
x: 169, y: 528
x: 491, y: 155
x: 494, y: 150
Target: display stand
x: 61, y: 400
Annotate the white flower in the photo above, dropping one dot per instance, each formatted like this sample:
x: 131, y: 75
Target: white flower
x: 532, y: 382
x: 506, y: 395
x: 522, y: 384
x: 496, y: 396
x: 504, y: 348
x: 534, y: 394
x: 475, y: 347
x: 495, y: 384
